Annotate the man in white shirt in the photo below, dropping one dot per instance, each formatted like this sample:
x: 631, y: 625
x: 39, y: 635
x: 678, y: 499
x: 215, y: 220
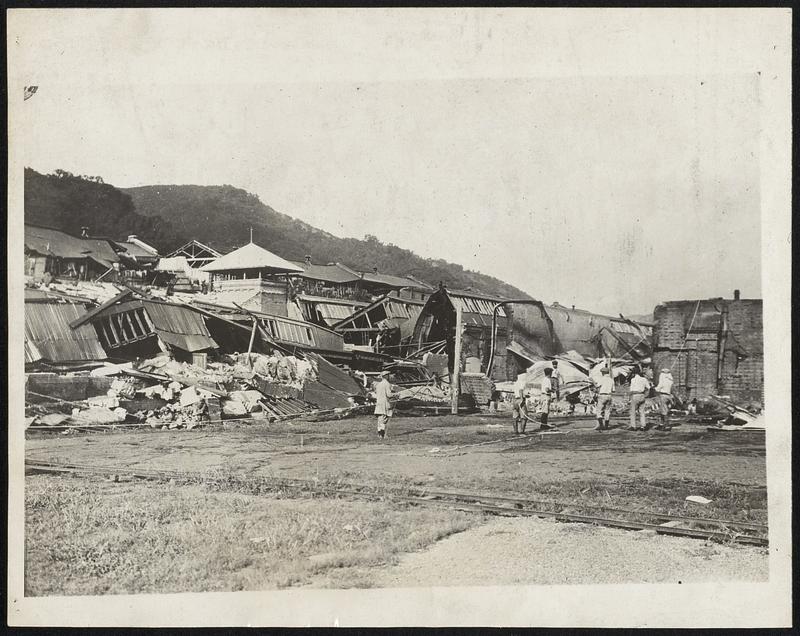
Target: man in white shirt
x: 544, y: 400
x: 664, y: 394
x: 605, y: 387
x: 640, y: 387
x: 556, y: 380
x: 383, y: 403
x: 520, y: 406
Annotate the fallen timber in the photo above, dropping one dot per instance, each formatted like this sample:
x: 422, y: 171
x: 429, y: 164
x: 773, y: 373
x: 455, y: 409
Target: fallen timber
x: 719, y: 530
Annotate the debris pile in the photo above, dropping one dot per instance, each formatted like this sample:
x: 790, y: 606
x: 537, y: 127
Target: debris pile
x: 164, y: 393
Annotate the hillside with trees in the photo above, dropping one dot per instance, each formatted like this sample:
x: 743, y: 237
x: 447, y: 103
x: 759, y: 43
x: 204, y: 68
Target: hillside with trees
x: 68, y: 202
x: 221, y: 216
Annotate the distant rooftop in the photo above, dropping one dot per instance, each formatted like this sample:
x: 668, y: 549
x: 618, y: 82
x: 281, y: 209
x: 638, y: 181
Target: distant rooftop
x: 251, y: 256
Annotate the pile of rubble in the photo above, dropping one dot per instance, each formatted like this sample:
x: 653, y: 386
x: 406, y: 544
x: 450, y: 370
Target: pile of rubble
x: 164, y: 393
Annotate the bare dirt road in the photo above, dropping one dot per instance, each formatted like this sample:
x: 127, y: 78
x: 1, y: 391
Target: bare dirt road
x: 526, y: 551
x: 476, y: 453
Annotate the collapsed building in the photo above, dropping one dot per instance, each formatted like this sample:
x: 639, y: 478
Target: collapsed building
x: 713, y: 347
x: 483, y: 320
x: 386, y: 325
x: 539, y: 331
x: 502, y: 338
x: 349, y: 325
x: 52, y: 253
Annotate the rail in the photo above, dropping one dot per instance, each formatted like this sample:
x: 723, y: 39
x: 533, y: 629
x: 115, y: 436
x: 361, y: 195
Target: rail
x: 714, y: 529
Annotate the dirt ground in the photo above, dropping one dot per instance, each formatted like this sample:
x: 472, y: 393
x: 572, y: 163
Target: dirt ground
x: 475, y: 453
x: 643, y: 471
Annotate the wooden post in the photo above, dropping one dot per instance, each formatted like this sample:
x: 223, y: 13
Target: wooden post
x: 252, y: 337
x: 454, y: 382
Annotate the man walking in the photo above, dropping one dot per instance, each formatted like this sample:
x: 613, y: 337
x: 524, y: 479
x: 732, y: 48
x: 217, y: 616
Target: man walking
x: 556, y: 380
x: 520, y: 406
x: 605, y: 387
x: 664, y: 394
x: 544, y: 401
x: 383, y: 403
x: 640, y: 386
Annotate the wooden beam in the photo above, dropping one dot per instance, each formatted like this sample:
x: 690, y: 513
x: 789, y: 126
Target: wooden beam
x: 456, y: 365
x: 136, y: 333
x: 91, y: 314
x: 118, y: 339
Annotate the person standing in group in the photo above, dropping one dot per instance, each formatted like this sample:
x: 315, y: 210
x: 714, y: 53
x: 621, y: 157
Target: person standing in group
x: 547, y: 395
x: 556, y: 380
x: 664, y: 393
x: 520, y: 406
x: 640, y: 387
x: 384, y: 393
x: 605, y: 387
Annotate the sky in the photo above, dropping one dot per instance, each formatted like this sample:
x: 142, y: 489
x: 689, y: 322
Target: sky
x: 600, y: 188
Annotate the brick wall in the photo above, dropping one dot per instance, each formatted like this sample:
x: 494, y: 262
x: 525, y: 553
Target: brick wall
x: 693, y: 354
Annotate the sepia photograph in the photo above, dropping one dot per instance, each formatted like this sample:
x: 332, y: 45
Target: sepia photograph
x: 399, y: 317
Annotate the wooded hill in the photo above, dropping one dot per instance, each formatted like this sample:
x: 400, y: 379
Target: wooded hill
x: 167, y: 216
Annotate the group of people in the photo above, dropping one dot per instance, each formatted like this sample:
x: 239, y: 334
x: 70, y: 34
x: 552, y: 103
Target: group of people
x: 550, y: 389
x: 640, y: 387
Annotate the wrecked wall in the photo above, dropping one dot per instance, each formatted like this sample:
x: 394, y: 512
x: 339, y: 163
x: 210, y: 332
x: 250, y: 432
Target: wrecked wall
x: 713, y: 346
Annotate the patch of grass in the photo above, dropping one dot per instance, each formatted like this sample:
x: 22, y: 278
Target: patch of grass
x: 89, y: 536
x: 731, y: 502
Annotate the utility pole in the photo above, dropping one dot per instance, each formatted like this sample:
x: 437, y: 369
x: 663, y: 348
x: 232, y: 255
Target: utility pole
x: 455, y: 380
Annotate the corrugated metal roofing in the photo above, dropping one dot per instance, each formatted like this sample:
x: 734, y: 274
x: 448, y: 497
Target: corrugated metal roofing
x: 407, y: 314
x: 478, y: 311
x: 333, y: 313
x: 251, y: 256
x: 48, y: 335
x: 179, y: 326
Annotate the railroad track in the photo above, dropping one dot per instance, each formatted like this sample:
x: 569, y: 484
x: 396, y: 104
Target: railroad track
x: 695, y: 527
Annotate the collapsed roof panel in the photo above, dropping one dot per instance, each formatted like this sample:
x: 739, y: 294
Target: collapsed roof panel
x: 179, y: 326
x: 48, y: 335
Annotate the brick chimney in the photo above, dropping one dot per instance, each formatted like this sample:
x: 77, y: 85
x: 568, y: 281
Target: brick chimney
x: 374, y: 270
x: 307, y: 259
x: 736, y: 294
x: 84, y: 231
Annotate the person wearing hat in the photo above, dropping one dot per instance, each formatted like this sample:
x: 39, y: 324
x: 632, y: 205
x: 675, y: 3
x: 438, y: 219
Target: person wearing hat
x: 546, y: 396
x: 519, y: 405
x: 605, y: 387
x: 555, y: 378
x: 664, y: 395
x: 640, y: 387
x: 384, y: 392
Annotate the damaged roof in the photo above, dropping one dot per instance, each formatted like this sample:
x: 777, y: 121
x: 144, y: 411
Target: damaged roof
x: 179, y: 326
x: 53, y: 242
x: 49, y: 337
x: 136, y: 252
